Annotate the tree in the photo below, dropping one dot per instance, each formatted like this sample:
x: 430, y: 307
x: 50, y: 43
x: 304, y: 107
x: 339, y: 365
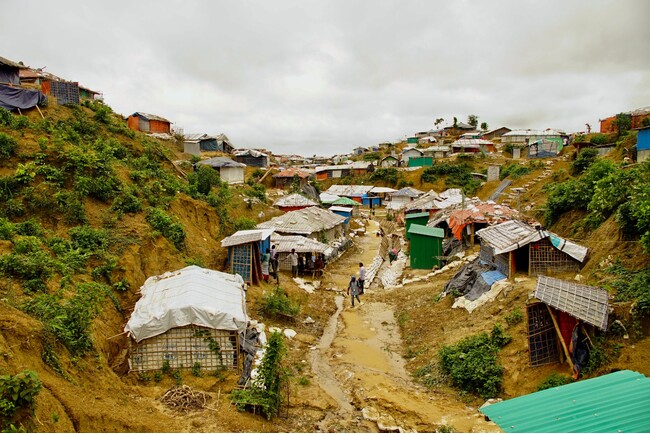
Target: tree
x: 484, y: 126
x: 438, y: 121
x: 472, y: 120
x: 623, y: 123
x: 455, y: 125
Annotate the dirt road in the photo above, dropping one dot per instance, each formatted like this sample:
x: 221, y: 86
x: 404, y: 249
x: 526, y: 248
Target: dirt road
x: 358, y: 363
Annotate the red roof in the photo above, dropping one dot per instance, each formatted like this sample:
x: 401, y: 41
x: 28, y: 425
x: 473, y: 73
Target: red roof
x: 489, y: 213
x: 290, y: 173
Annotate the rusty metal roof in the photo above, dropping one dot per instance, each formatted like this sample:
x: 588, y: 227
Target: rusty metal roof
x: 587, y: 303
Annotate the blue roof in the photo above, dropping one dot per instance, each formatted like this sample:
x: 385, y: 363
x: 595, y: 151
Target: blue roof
x: 616, y: 402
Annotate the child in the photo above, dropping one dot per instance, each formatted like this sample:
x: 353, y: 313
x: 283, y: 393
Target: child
x: 353, y: 290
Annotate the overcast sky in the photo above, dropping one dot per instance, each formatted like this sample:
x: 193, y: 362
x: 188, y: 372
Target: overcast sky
x: 321, y: 77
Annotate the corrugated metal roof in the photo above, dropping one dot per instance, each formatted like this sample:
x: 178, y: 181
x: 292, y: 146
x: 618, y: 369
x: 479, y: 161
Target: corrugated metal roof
x: 416, y: 215
x: 328, y: 198
x: 246, y: 236
x: 349, y: 190
x: 303, y: 221
x: 528, y: 133
x: 5, y: 61
x: 425, y: 230
x: 345, y: 201
x: 151, y: 117
x: 616, y: 402
x: 511, y: 235
x: 221, y: 162
x: 341, y: 209
x: 471, y: 142
x: 294, y: 200
x: 291, y: 172
x: 433, y: 200
x: 587, y: 303
x: 380, y: 190
x: 408, y: 192
x: 284, y: 244
x: 336, y: 167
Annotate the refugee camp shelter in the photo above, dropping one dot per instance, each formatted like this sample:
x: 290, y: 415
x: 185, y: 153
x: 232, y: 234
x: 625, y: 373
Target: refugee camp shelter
x: 230, y: 171
x: 285, y: 178
x: 345, y: 201
x: 244, y: 252
x: 377, y: 195
x: 251, y: 157
x: 472, y: 145
x: 284, y: 244
x: 398, y: 199
x: 294, y: 202
x: 148, y: 123
x: 514, y: 245
x: 196, y: 143
x: 437, y: 152
x: 10, y: 72
x: 529, y: 136
x: 389, y: 161
x: 478, y: 216
x: 192, y: 315
x: 608, y: 125
x: 418, y: 218
x: 327, y: 198
x: 495, y: 133
x: 544, y: 148
x: 313, y: 222
x: 343, y: 211
x: 643, y: 145
x: 426, y: 246
x: 612, y: 403
x: 410, y: 152
x: 332, y: 172
x: 354, y: 192
x: 561, y: 306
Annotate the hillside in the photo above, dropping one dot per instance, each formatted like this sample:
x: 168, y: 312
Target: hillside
x: 90, y: 209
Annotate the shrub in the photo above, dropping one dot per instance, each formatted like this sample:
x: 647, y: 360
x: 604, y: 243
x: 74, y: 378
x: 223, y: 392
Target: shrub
x: 554, y: 380
x: 514, y: 317
x: 514, y: 171
x: 17, y: 392
x: 265, y: 393
x: 472, y: 364
x: 244, y: 223
x: 89, y: 239
x: 127, y: 202
x: 278, y: 302
x: 203, y: 179
x: 585, y: 158
x: 169, y: 228
x: 8, y: 146
x: 7, y: 229
x: 257, y: 191
x: 388, y: 174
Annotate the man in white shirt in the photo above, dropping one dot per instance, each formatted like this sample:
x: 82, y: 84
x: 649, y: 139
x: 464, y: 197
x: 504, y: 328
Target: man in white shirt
x: 362, y: 277
x: 294, y: 262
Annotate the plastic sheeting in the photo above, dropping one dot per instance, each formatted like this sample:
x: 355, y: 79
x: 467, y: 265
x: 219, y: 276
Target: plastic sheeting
x: 468, y: 281
x: 192, y: 295
x: 12, y: 98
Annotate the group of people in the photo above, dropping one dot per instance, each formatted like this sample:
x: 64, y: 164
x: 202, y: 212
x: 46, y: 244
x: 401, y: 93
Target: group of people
x: 356, y: 285
x: 308, y: 262
x: 300, y: 263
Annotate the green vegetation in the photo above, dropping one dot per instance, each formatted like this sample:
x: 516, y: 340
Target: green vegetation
x: 277, y: 302
x: 472, y: 364
x: 265, y: 394
x: 632, y: 285
x: 455, y: 175
x: 167, y: 226
x: 554, y: 380
x: 514, y: 317
x: 389, y: 175
x: 514, y: 171
x: 17, y: 395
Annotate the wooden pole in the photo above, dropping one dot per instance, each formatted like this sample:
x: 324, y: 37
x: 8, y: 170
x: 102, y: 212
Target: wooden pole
x: 559, y: 334
x: 39, y: 110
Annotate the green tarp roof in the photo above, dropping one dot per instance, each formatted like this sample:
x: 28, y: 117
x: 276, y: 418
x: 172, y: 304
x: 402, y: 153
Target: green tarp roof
x: 425, y: 230
x: 345, y: 201
x: 616, y: 402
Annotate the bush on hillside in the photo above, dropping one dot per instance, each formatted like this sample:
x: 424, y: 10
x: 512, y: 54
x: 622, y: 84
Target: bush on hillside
x: 585, y: 158
x: 8, y: 145
x: 554, y: 380
x: 473, y: 365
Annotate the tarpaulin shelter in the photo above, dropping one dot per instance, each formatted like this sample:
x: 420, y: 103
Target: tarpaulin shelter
x: 478, y: 216
x: 514, y: 245
x: 313, y: 222
x: 10, y: 72
x: 244, y: 252
x: 192, y: 315
x: 13, y: 98
x: 229, y: 170
x: 612, y: 403
x: 251, y: 157
x: 285, y: 243
x: 285, y: 178
x: 294, y: 202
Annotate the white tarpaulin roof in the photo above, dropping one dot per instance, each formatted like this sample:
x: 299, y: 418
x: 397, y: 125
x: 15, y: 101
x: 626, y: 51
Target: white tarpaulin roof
x: 246, y: 236
x: 284, y: 244
x: 328, y: 198
x: 192, y: 295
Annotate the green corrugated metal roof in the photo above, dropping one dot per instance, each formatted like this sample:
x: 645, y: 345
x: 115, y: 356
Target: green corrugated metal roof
x: 416, y: 215
x: 425, y: 230
x: 345, y: 201
x: 616, y: 402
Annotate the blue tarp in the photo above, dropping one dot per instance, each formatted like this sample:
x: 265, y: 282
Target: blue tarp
x: 493, y: 276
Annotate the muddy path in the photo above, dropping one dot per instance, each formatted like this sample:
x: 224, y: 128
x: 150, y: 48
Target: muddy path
x: 358, y: 363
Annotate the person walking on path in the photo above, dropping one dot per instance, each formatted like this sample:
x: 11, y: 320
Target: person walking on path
x: 274, y: 264
x: 293, y: 256
x: 362, y: 277
x: 266, y: 259
x: 353, y: 290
